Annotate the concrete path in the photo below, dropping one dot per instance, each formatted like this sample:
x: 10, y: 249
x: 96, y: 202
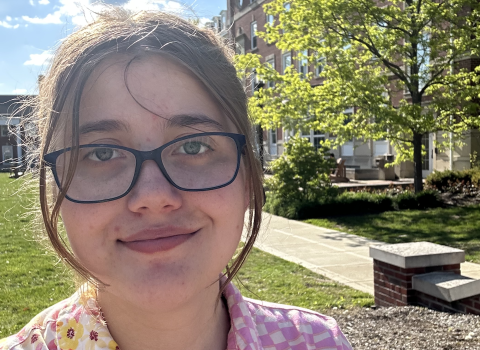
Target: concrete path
x: 339, y: 256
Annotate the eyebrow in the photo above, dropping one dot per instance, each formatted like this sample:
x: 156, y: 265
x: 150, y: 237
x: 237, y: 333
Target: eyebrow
x: 188, y: 120
x: 106, y: 125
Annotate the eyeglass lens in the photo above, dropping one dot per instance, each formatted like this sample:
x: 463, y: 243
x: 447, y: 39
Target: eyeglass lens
x: 193, y: 164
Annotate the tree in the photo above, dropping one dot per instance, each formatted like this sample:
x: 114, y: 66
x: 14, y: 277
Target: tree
x: 371, y: 52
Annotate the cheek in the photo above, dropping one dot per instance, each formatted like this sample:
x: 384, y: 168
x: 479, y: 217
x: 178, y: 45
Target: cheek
x: 86, y: 226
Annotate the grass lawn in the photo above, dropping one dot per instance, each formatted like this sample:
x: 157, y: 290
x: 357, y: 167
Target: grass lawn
x: 31, y: 280
x: 267, y: 277
x: 456, y: 227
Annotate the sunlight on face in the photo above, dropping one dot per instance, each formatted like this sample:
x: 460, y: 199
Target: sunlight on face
x: 157, y: 246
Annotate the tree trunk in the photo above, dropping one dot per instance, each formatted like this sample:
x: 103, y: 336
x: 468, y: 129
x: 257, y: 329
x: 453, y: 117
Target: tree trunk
x: 417, y: 160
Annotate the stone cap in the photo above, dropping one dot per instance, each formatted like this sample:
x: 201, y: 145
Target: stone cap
x: 446, y: 285
x: 417, y: 254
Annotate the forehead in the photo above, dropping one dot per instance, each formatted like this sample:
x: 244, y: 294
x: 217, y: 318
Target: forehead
x: 149, y: 90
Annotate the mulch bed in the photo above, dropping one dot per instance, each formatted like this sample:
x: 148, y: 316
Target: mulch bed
x: 459, y: 199
x: 408, y: 328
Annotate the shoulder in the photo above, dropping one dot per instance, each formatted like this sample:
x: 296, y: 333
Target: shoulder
x: 277, y: 323
x: 35, y: 333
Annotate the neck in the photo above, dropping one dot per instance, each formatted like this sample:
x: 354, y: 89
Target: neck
x: 197, y: 324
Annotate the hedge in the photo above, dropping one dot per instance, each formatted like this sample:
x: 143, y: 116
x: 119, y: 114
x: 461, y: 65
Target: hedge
x: 350, y: 203
x: 443, y: 180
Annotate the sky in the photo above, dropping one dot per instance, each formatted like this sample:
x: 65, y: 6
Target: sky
x: 31, y: 29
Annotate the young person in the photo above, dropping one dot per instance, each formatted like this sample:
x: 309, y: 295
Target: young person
x: 146, y: 154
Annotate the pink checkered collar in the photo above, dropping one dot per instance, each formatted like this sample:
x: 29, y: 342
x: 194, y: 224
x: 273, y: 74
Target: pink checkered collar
x: 243, y: 331
x: 258, y: 325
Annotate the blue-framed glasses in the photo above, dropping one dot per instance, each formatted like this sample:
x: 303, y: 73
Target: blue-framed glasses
x: 198, y: 162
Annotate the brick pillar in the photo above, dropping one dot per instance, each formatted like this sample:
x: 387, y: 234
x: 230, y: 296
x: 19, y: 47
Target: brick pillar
x: 395, y: 264
x: 393, y: 284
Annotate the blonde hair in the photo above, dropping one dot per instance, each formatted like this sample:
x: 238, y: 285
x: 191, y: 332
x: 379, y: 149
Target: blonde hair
x: 114, y: 32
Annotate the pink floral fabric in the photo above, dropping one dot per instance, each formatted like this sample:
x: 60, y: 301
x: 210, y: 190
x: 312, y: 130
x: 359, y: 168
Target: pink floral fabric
x: 255, y: 325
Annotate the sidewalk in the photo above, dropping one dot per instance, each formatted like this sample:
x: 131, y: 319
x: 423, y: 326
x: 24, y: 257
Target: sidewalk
x: 339, y: 256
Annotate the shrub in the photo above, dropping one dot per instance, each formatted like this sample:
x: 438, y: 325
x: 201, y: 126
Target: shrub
x: 443, y: 179
x: 275, y: 205
x: 454, y: 180
x: 429, y: 199
x: 352, y: 203
x: 475, y: 173
x: 300, y: 174
x: 406, y: 200
x: 348, y: 203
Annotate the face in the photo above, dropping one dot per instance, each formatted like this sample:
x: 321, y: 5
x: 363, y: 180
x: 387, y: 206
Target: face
x: 157, y: 246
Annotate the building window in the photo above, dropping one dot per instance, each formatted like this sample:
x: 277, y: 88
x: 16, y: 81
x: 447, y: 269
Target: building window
x: 273, y: 142
x: 4, y: 130
x: 270, y: 19
x: 303, y: 64
x: 286, y: 61
x: 273, y: 135
x: 271, y: 62
x: 319, y: 64
x: 254, y: 35
x: 240, y: 46
x: 315, y: 137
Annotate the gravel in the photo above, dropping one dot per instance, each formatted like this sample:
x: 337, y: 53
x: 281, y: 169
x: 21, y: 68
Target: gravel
x: 409, y: 327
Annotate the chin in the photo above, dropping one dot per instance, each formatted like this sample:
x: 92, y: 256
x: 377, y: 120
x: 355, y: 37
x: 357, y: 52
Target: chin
x: 162, y: 290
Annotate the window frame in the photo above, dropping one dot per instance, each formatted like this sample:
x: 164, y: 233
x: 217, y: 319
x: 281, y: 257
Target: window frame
x: 4, y: 131
x: 284, y: 66
x: 253, y: 35
x: 271, y: 61
x: 303, y: 63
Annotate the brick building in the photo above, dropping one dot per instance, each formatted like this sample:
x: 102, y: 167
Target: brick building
x: 246, y: 17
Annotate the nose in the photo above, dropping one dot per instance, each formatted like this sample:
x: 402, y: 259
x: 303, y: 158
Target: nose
x: 152, y: 192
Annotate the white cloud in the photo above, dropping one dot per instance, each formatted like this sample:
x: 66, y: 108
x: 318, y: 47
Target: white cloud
x: 38, y: 59
x: 8, y: 18
x: 31, y: 3
x: 49, y: 19
x: 44, y: 2
x: 82, y: 12
x: 19, y: 91
x: 204, y: 20
x: 8, y: 25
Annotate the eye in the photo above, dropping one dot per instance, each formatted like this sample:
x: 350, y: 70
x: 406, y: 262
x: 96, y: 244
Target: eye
x: 103, y: 154
x: 194, y: 147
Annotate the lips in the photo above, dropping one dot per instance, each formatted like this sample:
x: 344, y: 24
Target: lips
x: 152, y: 241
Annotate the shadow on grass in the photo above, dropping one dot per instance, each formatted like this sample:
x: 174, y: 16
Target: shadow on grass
x: 455, y: 227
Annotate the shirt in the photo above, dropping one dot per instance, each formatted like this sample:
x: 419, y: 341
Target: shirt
x: 75, y: 323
